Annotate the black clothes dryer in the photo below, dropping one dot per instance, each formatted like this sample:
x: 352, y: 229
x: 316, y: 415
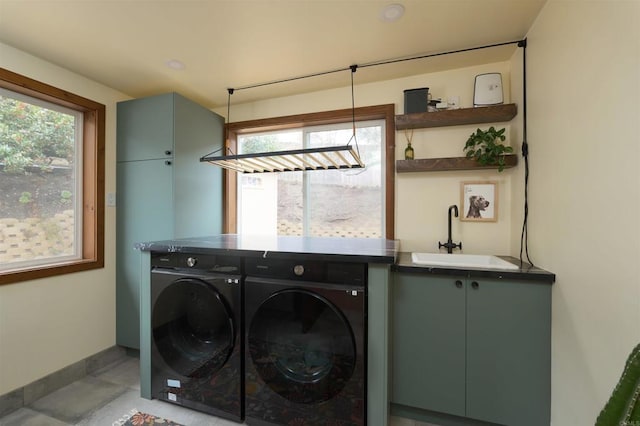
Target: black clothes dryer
x: 197, y: 337
x: 305, y: 347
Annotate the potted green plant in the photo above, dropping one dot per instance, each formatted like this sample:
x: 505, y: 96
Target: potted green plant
x: 485, y: 147
x: 623, y: 407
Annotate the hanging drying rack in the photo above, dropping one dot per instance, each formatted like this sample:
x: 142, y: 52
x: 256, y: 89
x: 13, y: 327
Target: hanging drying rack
x: 307, y: 159
x: 324, y: 158
x: 321, y: 158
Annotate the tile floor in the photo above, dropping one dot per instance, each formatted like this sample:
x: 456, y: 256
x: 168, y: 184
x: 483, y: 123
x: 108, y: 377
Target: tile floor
x: 106, y: 397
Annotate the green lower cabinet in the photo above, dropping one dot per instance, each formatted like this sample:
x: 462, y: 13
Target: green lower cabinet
x: 428, y: 343
x: 509, y: 352
x: 474, y: 349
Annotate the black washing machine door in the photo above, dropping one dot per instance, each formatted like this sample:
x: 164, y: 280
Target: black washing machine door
x: 193, y: 328
x: 301, y: 346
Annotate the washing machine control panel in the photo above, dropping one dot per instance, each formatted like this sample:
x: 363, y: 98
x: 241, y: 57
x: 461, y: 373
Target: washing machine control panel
x: 197, y: 261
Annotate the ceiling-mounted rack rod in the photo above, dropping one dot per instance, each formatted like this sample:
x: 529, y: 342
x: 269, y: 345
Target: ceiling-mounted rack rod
x: 375, y: 63
x: 431, y: 55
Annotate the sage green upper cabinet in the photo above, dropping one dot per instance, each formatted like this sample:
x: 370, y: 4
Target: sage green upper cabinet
x: 163, y: 191
x: 476, y: 349
x: 145, y: 128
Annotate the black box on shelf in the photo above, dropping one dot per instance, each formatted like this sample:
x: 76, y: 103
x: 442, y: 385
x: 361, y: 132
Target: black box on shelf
x: 416, y: 100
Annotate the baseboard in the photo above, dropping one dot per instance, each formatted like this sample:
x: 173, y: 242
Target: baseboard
x: 27, y: 394
x: 432, y: 417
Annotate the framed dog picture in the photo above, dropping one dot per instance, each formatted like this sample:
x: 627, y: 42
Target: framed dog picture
x: 479, y: 201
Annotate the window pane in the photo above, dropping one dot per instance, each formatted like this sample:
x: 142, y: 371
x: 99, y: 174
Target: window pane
x: 270, y: 203
x: 291, y: 204
x: 39, y: 160
x: 345, y: 203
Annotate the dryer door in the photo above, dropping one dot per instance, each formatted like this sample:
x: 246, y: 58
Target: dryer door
x: 302, y: 346
x: 193, y: 327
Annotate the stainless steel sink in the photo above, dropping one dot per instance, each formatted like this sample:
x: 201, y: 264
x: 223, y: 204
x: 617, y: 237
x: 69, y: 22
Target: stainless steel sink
x: 462, y: 261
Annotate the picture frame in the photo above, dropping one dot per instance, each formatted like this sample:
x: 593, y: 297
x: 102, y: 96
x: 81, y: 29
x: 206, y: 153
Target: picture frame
x: 479, y: 201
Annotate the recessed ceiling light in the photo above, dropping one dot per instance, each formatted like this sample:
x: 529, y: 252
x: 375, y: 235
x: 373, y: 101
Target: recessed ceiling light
x: 392, y: 12
x: 175, y: 64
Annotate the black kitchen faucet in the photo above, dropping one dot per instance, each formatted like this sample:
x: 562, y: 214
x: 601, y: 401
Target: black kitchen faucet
x: 450, y: 245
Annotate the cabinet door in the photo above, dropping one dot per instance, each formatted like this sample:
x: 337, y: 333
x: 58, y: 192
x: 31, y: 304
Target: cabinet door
x: 145, y: 128
x: 508, y: 352
x: 429, y: 343
x: 144, y: 212
x: 198, y: 186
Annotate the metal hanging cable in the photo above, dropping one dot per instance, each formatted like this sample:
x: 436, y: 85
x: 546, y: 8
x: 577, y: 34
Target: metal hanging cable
x: 353, y: 110
x: 209, y: 155
x: 229, y: 93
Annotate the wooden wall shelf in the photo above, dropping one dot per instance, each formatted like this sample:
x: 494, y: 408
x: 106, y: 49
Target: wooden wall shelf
x: 455, y: 117
x: 451, y: 163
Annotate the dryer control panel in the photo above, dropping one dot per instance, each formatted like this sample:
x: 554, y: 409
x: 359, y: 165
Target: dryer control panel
x: 307, y: 270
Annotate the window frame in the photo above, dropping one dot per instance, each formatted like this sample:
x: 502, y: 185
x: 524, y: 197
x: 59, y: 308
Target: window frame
x: 93, y: 177
x: 384, y: 112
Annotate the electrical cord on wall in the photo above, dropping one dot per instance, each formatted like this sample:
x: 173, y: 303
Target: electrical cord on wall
x: 524, y: 236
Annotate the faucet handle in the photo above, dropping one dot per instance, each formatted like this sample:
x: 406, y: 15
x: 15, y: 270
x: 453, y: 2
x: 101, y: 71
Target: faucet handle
x: 459, y: 245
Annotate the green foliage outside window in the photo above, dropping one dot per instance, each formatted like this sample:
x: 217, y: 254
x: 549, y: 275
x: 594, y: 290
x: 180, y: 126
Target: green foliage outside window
x: 264, y: 143
x: 33, y: 136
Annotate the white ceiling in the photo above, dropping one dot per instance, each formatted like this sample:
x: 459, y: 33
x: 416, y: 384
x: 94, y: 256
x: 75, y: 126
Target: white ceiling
x: 125, y: 44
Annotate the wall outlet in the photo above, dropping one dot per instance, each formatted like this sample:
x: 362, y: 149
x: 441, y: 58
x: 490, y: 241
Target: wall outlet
x: 111, y: 199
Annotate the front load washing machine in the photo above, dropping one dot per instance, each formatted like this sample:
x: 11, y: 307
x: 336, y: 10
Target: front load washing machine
x: 196, y: 336
x: 305, y: 347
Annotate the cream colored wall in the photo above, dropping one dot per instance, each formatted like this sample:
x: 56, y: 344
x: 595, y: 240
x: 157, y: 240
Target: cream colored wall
x: 583, y: 72
x: 583, y: 125
x: 50, y: 323
x: 422, y: 199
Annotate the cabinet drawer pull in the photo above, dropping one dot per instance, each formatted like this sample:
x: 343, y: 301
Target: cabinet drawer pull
x: 168, y: 163
x: 167, y: 153
x: 475, y: 285
x: 458, y: 283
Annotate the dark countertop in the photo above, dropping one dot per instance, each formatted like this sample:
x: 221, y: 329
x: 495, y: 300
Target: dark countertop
x: 369, y: 250
x: 526, y: 271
